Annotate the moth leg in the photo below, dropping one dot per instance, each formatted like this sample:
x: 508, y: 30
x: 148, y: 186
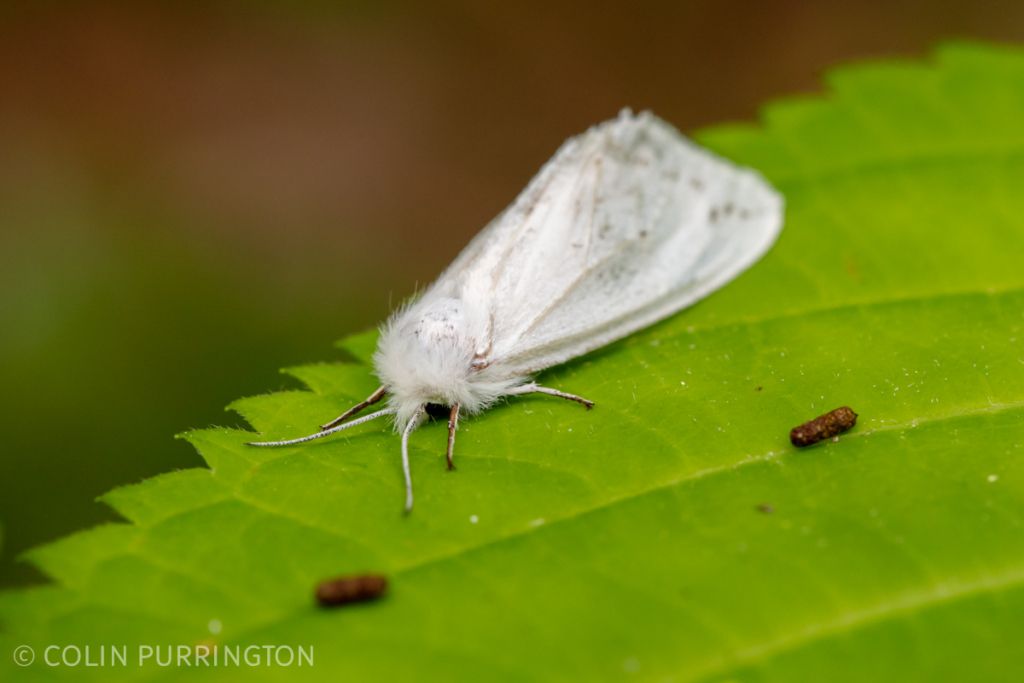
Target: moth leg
x: 453, y: 424
x: 534, y: 388
x: 413, y: 423
x: 370, y: 400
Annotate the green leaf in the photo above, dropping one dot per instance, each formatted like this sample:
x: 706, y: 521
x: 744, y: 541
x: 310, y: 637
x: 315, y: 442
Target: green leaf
x: 628, y: 541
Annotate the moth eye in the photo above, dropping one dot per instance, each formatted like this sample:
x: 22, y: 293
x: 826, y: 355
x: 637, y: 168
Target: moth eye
x: 436, y: 411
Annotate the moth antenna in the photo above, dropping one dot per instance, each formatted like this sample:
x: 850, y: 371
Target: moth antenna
x: 326, y: 432
x: 413, y: 424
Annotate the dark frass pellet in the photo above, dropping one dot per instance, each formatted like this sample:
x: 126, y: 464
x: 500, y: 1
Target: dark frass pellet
x: 346, y: 590
x: 824, y: 427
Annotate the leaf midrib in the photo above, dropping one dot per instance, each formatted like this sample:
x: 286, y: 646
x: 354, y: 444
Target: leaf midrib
x: 904, y: 604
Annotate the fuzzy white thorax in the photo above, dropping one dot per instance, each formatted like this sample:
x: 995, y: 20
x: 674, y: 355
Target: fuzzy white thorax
x: 430, y: 352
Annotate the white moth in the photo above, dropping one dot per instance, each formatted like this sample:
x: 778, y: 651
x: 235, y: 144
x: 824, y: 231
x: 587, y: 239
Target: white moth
x: 627, y: 224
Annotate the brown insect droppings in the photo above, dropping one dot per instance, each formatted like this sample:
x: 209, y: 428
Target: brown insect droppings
x: 823, y: 427
x: 758, y: 388
x: 766, y: 508
x: 346, y: 590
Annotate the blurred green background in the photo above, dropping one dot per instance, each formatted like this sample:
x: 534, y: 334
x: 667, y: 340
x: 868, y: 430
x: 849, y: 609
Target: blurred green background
x: 192, y: 197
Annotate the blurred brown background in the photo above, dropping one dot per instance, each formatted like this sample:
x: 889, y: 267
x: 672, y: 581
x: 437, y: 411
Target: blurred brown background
x: 193, y: 197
